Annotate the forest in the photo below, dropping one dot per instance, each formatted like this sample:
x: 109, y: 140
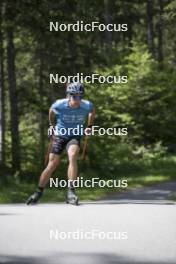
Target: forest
x: 145, y: 104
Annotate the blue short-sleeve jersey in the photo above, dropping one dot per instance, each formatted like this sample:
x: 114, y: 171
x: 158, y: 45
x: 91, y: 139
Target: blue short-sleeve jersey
x: 68, y: 117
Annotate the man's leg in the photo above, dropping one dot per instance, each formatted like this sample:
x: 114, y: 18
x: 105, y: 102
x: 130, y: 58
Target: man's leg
x: 54, y: 160
x: 72, y: 151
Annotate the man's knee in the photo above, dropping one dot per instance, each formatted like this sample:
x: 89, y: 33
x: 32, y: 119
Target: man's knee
x: 73, y: 153
x: 53, y: 161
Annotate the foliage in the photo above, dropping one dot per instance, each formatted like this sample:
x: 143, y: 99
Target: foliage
x: 145, y: 104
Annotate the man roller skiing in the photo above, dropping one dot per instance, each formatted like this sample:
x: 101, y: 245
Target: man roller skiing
x: 70, y: 112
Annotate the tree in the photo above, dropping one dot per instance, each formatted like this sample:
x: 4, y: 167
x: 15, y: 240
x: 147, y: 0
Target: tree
x: 11, y: 69
x: 108, y: 20
x: 160, y: 34
x: 2, y: 96
x: 150, y: 32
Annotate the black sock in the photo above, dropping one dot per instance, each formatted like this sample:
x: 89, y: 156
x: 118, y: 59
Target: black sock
x: 71, y: 185
x: 40, y: 189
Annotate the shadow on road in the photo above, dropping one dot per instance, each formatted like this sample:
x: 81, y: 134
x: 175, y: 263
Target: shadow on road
x: 5, y: 214
x: 77, y: 258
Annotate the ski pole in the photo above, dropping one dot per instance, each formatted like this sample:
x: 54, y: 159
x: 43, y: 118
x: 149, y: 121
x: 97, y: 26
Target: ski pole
x: 85, y: 145
x: 47, y: 152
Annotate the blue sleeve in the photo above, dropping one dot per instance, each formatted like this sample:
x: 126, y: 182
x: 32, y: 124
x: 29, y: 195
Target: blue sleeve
x: 55, y: 107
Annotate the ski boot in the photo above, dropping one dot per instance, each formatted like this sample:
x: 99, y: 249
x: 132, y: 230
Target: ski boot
x: 33, y: 199
x: 71, y: 196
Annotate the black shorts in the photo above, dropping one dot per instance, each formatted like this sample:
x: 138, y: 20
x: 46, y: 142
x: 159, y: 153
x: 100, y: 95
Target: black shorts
x: 59, y: 144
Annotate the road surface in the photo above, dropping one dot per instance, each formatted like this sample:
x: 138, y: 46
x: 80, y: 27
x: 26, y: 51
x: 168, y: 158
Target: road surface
x: 128, y: 228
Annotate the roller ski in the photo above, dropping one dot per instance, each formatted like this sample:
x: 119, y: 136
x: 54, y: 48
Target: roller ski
x: 71, y: 197
x: 33, y: 199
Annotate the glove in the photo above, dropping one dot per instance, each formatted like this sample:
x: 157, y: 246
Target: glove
x: 50, y: 131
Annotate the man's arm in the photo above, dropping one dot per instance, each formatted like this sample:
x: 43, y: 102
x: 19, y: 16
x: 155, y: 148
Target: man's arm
x: 91, y: 118
x: 51, y: 117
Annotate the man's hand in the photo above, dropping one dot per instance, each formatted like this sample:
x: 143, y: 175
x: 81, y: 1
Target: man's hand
x: 50, y: 131
x: 88, y: 130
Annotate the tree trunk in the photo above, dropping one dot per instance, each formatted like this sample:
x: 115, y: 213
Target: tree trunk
x: 2, y: 99
x: 160, y: 34
x: 14, y: 118
x: 150, y: 33
x: 107, y: 18
x: 41, y: 123
x: 130, y: 34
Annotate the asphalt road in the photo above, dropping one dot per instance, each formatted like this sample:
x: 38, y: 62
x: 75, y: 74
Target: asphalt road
x: 116, y: 230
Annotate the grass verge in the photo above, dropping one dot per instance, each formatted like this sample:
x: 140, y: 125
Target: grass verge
x: 138, y: 174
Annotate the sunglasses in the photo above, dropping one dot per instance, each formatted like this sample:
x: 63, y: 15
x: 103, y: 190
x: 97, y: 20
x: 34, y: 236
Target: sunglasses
x: 76, y: 97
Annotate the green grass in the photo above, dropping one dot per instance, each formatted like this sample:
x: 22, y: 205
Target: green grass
x: 139, y: 173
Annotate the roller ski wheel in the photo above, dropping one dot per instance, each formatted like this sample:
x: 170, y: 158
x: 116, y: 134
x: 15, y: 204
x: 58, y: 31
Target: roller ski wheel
x: 33, y: 199
x: 72, y: 198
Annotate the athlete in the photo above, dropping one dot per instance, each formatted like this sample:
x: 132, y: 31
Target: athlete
x: 69, y: 113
